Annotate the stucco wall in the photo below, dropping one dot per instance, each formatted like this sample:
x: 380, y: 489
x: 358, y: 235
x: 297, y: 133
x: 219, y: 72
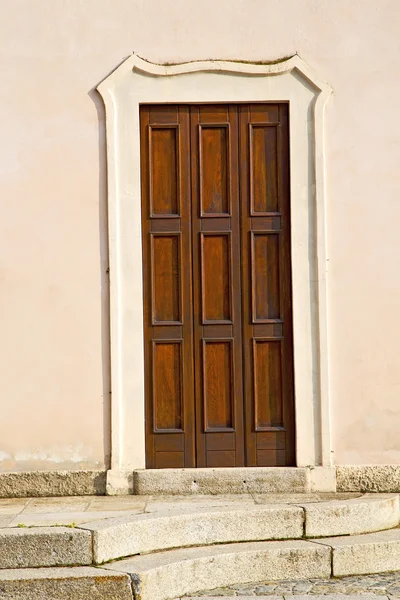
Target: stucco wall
x: 53, y: 242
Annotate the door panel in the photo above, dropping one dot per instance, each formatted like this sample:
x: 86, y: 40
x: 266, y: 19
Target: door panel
x: 266, y: 291
x: 217, y: 285
x: 168, y: 327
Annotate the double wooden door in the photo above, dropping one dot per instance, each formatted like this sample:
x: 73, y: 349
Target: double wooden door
x: 217, y: 285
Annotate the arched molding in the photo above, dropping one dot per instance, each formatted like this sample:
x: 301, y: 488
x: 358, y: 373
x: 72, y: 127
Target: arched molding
x: 137, y: 81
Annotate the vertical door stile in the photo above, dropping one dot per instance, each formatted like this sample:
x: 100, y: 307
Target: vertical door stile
x: 216, y: 279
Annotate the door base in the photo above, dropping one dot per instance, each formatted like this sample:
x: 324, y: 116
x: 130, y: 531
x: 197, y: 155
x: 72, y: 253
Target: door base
x: 217, y: 481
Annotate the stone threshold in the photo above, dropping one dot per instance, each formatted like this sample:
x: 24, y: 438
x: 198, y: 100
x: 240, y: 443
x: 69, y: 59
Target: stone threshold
x: 342, y: 478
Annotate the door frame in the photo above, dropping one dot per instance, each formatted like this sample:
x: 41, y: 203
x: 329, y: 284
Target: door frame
x: 136, y: 82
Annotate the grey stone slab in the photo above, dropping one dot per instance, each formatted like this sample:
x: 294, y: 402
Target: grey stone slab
x: 6, y: 520
x: 117, y: 503
x: 67, y: 518
x: 115, y: 538
x: 348, y: 517
x: 52, y: 483
x: 178, y: 502
x: 362, y: 554
x: 74, y: 583
x: 170, y: 574
x: 10, y: 506
x: 57, y: 505
x: 256, y: 480
x: 44, y: 547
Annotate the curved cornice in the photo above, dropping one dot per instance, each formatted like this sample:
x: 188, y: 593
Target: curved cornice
x: 135, y: 63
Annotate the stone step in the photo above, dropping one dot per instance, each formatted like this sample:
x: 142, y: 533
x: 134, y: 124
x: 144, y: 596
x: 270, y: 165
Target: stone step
x: 68, y: 583
x: 116, y: 538
x: 174, y: 573
x: 238, y: 480
x: 120, y: 537
x: 44, y: 547
x: 367, y: 514
x: 363, y: 554
x: 171, y: 574
x: 107, y: 539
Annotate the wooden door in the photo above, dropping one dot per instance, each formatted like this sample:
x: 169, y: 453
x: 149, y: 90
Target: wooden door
x: 217, y: 285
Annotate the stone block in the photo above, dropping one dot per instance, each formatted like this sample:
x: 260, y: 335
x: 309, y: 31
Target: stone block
x: 361, y: 515
x: 119, y: 482
x: 368, y: 478
x: 258, y: 480
x: 52, y: 483
x: 69, y: 583
x: 44, y: 547
x: 363, y: 554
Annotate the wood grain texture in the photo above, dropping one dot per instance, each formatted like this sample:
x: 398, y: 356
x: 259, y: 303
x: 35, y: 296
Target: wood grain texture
x: 164, y: 160
x: 217, y: 285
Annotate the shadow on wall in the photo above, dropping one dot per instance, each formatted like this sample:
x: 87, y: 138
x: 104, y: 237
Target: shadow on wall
x: 104, y: 269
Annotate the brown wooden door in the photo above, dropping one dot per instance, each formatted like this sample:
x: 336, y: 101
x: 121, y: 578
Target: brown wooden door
x: 217, y: 285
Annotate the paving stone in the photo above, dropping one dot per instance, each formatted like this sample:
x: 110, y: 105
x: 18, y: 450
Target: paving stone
x: 6, y: 520
x: 10, y: 506
x: 374, y: 585
x: 302, y: 587
x: 156, y: 503
x: 117, y: 503
x: 68, y: 518
x: 56, y: 505
x: 265, y: 589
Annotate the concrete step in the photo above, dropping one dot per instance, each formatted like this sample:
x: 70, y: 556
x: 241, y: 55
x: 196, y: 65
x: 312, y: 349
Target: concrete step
x: 171, y: 574
x: 107, y: 539
x: 68, y: 583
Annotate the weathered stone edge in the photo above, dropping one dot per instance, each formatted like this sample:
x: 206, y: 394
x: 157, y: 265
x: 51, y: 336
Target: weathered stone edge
x: 37, y: 484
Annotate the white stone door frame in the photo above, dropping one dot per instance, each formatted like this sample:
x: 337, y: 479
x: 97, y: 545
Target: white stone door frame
x: 136, y: 82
